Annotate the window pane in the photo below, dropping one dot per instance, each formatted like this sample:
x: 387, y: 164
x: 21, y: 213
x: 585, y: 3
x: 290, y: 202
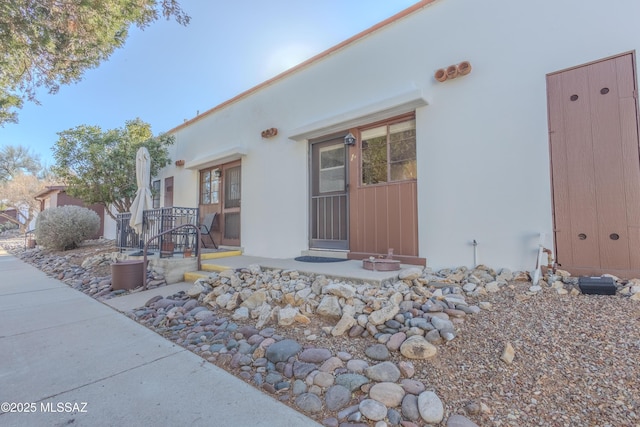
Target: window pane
x: 374, y: 160
x: 374, y: 133
x: 215, y: 184
x: 402, y: 127
x: 331, y: 157
x: 332, y: 180
x: 155, y: 191
x: 402, y: 171
x: 403, y: 149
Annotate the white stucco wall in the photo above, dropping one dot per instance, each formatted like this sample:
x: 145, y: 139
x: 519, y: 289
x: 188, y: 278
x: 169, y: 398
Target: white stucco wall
x: 110, y: 226
x: 482, y: 140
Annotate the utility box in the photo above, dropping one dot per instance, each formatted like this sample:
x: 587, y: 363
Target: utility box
x: 597, y: 285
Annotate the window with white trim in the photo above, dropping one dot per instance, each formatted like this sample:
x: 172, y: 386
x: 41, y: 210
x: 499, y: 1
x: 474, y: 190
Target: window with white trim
x: 388, y: 152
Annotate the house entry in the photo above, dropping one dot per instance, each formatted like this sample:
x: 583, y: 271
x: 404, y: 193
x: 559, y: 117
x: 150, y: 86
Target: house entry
x: 595, y: 165
x: 220, y: 192
x: 329, y: 222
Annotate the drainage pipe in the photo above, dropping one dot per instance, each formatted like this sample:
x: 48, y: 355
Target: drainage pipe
x: 475, y: 253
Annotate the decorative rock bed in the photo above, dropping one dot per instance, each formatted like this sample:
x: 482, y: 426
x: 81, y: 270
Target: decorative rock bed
x: 355, y: 355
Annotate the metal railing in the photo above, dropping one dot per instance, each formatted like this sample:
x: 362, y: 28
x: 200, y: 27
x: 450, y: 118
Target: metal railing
x: 171, y: 231
x: 156, y: 222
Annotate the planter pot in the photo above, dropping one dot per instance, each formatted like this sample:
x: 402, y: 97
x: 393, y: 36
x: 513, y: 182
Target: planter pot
x: 31, y: 244
x: 464, y: 68
x: 452, y: 72
x: 381, y: 264
x: 187, y: 253
x: 441, y: 75
x: 127, y: 274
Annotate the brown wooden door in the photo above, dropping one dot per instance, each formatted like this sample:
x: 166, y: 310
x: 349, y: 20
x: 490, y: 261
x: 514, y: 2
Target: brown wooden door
x: 231, y: 201
x: 595, y: 166
x: 383, y: 212
x: 168, y: 192
x: 328, y: 210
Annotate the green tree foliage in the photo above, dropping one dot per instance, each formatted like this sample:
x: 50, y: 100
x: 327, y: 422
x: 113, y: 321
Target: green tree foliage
x: 100, y: 166
x: 17, y: 159
x: 47, y: 43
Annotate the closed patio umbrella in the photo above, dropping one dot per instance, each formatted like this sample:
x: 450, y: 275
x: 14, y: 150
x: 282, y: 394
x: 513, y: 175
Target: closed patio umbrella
x: 142, y: 200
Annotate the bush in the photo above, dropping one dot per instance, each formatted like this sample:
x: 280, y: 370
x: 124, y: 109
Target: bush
x: 8, y: 226
x: 65, y: 227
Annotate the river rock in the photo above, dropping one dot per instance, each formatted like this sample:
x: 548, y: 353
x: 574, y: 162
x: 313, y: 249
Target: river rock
x: 460, y: 421
x: 417, y: 347
x: 352, y: 382
x: 383, y: 372
x: 430, y: 407
x: 410, y: 407
x: 281, y: 351
x: 309, y: 403
x: 377, y: 352
x: 390, y: 394
x: 314, y: 355
x: 337, y: 397
x: 373, y: 409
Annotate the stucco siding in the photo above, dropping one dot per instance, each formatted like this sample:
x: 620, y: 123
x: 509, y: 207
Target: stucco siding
x: 482, y: 140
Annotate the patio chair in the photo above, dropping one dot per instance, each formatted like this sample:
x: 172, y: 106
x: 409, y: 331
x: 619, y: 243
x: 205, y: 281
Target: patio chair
x: 208, y: 225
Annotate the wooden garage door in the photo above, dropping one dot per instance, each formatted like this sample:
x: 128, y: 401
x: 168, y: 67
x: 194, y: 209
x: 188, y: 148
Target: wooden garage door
x: 595, y: 163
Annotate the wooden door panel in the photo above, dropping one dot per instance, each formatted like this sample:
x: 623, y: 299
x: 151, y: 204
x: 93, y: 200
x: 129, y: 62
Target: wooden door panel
x: 580, y: 164
x: 595, y: 165
x: 609, y: 178
x: 386, y: 219
x: 409, y: 214
x: 560, y: 176
x: 168, y: 192
x: 382, y: 226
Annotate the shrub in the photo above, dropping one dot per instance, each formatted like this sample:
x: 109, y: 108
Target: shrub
x: 8, y: 226
x: 64, y: 227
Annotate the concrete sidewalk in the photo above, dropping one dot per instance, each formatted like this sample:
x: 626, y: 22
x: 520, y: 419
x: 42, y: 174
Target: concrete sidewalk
x: 61, y: 350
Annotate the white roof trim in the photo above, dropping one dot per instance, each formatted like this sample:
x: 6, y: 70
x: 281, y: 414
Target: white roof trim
x: 370, y: 113
x: 222, y: 156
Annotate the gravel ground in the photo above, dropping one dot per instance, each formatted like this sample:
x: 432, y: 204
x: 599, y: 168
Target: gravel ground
x: 576, y: 360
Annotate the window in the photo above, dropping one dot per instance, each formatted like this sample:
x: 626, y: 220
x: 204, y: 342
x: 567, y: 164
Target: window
x: 155, y: 194
x: 210, y: 186
x: 389, y: 152
x: 331, y: 169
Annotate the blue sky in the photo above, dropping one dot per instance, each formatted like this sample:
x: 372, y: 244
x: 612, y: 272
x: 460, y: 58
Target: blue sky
x: 167, y: 73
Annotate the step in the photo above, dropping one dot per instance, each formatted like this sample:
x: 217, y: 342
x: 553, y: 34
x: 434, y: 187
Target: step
x: 192, y: 276
x: 217, y: 255
x: 328, y: 253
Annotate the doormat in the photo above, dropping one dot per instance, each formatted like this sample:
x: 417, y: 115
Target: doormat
x: 319, y: 259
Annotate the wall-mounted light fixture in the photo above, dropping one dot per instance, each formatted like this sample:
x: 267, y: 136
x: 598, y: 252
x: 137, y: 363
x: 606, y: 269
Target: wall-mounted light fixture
x: 217, y: 173
x: 349, y: 139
